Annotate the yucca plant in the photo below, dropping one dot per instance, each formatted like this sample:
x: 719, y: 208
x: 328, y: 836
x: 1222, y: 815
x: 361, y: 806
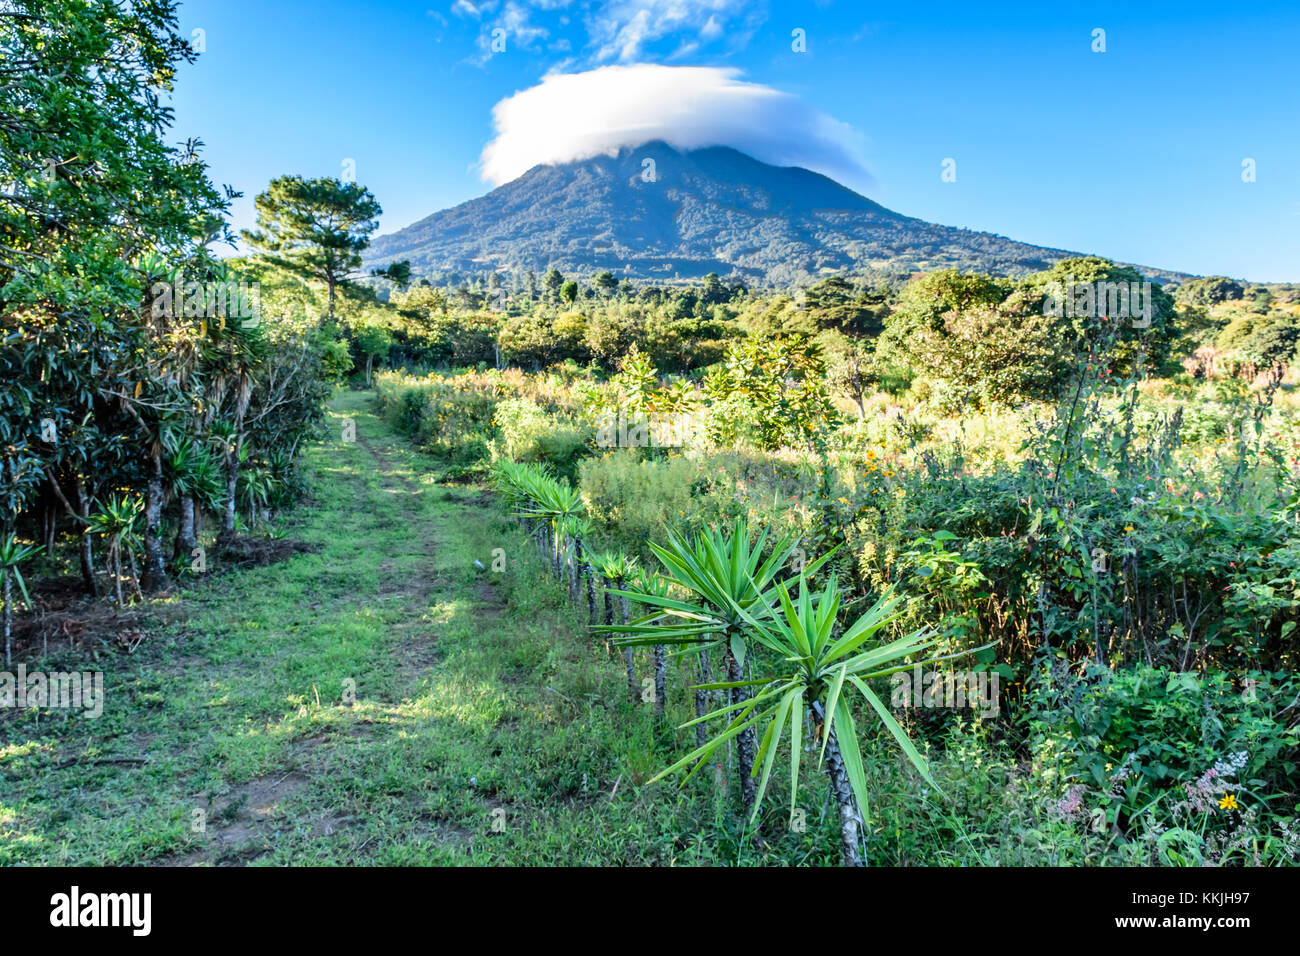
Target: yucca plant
x: 617, y: 569
x: 552, y: 503
x: 116, y: 521
x: 728, y: 581
x: 575, y: 530
x: 193, y: 476
x: 818, y: 674
x: 513, y: 479
x: 255, y: 489
x: 646, y: 583
x: 12, y: 555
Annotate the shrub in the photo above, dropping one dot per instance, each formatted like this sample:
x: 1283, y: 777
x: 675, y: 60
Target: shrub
x: 526, y: 432
x: 635, y: 500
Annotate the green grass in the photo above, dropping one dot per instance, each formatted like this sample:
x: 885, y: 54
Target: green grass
x: 487, y: 727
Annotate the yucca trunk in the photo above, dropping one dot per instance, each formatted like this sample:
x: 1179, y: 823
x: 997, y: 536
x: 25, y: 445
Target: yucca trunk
x: 135, y: 573
x: 232, y: 485
x: 609, y: 606
x: 850, y: 820
x: 661, y: 680
x: 575, y: 568
x: 186, y: 538
x: 87, y: 552
x: 593, y: 607
x: 747, y: 740
x: 629, y: 660
x: 8, y: 617
x: 116, y: 560
x: 155, y: 568
x: 702, y: 698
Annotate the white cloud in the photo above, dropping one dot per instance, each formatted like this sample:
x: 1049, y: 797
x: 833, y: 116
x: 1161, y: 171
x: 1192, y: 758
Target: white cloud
x: 579, y: 115
x: 466, y: 8
x: 621, y: 29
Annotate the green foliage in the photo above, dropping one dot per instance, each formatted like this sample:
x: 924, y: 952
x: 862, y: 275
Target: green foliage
x: 315, y: 228
x: 1209, y: 290
x: 783, y: 381
x: 526, y: 433
x: 636, y: 500
x: 1168, y: 755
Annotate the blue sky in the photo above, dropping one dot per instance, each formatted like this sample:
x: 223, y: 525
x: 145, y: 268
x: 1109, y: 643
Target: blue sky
x: 1135, y: 153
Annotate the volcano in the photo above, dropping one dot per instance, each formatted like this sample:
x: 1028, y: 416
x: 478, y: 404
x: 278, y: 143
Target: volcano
x: 661, y: 214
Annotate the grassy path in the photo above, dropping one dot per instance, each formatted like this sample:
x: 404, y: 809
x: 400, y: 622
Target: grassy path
x: 484, y: 729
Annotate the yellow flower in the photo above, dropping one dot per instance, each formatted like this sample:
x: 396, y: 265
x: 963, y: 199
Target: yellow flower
x: 1128, y: 527
x: 1229, y: 802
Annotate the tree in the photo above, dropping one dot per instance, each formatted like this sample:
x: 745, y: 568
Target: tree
x: 373, y: 341
x: 714, y: 292
x: 317, y: 229
x: 1210, y: 290
x: 834, y: 304
x: 569, y: 292
x: 851, y: 371
x: 993, y: 353
x: 1271, y: 346
x: 95, y: 196
x: 781, y: 382
x: 1129, y: 338
x: 926, y: 302
x: 605, y: 282
x: 553, y: 281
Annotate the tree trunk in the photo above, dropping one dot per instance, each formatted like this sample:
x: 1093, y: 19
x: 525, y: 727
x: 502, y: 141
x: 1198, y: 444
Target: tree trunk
x: 117, y: 572
x: 747, y: 740
x: 661, y: 680
x: 593, y: 607
x: 232, y: 484
x: 370, y: 364
x: 87, y: 554
x: 9, y: 618
x: 155, y: 568
x: 850, y: 820
x: 702, y: 698
x: 575, y: 569
x: 186, y: 537
x: 629, y: 660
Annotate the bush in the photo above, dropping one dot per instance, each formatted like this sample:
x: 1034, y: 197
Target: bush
x: 526, y: 432
x: 1201, y: 768
x: 635, y: 500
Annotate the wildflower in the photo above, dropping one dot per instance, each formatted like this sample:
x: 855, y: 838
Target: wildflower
x: 1229, y: 802
x: 1128, y: 527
